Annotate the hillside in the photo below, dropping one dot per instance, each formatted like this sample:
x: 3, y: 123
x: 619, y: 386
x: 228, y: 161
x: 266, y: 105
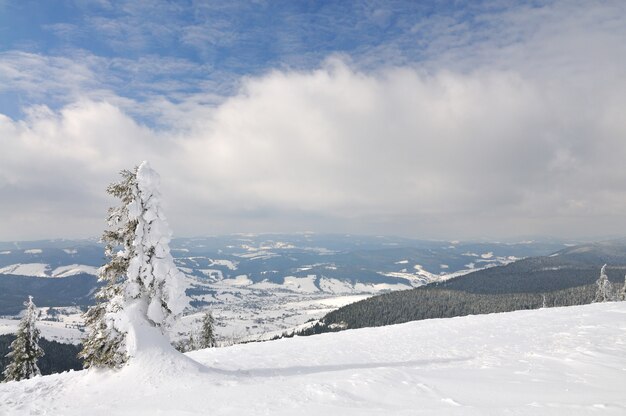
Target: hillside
x: 567, y: 268
x: 549, y: 362
x: 563, y: 278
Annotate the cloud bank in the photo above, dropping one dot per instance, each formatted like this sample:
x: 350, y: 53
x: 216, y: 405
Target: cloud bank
x: 398, y: 151
x: 520, y: 133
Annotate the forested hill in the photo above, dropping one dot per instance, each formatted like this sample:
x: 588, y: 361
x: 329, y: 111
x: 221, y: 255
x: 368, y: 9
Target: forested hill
x: 571, y: 267
x: 564, y: 278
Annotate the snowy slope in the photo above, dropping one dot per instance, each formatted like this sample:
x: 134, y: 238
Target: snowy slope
x: 544, y: 362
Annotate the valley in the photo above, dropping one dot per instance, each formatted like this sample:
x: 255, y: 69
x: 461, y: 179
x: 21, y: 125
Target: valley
x: 257, y: 286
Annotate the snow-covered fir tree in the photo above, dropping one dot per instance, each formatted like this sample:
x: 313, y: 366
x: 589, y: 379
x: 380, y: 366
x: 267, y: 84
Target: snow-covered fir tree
x: 622, y: 293
x: 141, y: 281
x: 104, y: 345
x: 604, y: 290
x: 25, y: 350
x: 207, y: 333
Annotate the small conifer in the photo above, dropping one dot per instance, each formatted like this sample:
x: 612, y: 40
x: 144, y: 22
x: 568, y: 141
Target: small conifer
x: 207, y: 334
x: 25, y: 350
x: 604, y: 290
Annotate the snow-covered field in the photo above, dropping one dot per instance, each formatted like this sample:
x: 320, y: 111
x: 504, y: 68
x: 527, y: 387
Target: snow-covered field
x: 61, y: 331
x: 545, y: 362
x: 248, y: 315
x: 44, y: 270
x: 243, y: 312
x: 56, y: 324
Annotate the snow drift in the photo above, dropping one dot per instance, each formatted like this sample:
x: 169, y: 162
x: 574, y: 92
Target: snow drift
x: 550, y: 361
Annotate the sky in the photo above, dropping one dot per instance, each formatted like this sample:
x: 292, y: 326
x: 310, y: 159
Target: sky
x: 429, y: 119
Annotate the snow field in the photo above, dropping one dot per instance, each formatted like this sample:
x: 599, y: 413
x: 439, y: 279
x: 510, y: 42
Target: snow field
x: 543, y: 362
x: 44, y: 270
x: 64, y: 329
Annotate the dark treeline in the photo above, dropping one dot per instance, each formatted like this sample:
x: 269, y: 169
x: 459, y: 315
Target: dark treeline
x: 433, y: 302
x: 521, y: 285
x: 526, y: 276
x: 58, y: 357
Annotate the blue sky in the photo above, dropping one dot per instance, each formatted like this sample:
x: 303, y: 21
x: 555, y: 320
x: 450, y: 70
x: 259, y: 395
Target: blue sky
x: 431, y: 119
x: 146, y: 48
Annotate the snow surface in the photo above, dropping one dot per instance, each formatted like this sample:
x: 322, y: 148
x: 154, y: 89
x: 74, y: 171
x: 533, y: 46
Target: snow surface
x: 544, y: 362
x: 29, y: 269
x: 241, y: 280
x: 214, y: 273
x: 151, y: 268
x: 335, y: 285
x: 228, y: 263
x: 74, y: 269
x: 340, y: 301
x: 44, y: 270
x: 301, y: 284
x: 65, y: 330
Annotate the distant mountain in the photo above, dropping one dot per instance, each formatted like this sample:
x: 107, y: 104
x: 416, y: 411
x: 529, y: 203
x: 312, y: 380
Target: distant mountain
x: 66, y: 291
x: 70, y: 253
x: 251, y: 266
x: 563, y: 278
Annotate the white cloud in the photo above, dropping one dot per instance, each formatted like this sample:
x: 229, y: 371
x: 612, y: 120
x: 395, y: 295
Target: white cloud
x: 38, y: 75
x: 515, y: 129
x: 465, y: 149
x: 396, y: 151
